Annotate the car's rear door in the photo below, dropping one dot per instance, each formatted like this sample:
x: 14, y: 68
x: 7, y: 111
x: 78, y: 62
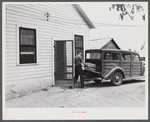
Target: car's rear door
x: 110, y: 60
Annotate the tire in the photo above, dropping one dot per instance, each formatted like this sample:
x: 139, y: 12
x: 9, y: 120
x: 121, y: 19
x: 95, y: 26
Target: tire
x: 97, y: 81
x: 117, y: 79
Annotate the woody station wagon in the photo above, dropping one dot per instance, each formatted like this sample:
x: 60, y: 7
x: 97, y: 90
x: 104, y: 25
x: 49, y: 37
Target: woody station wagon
x: 112, y: 64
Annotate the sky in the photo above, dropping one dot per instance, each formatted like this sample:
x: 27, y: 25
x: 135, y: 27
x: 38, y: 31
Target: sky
x: 128, y: 34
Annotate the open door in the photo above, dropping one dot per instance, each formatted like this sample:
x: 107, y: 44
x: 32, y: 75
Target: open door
x: 64, y: 63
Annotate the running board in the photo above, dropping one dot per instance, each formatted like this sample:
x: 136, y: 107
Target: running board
x: 135, y: 78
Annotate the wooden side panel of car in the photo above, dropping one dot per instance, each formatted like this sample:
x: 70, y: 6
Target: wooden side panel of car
x: 136, y: 68
x: 109, y: 65
x: 126, y: 66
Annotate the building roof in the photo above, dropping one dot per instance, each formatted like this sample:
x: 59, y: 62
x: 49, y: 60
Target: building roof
x: 100, y: 43
x: 84, y: 16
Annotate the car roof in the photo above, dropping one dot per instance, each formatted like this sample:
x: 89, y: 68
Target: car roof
x: 112, y: 50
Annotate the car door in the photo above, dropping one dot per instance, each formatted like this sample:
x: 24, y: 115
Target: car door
x: 136, y: 65
x: 110, y: 60
x: 126, y: 63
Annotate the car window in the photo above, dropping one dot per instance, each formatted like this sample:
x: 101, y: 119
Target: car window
x: 111, y: 56
x: 115, y: 56
x: 107, y: 56
x: 136, y: 57
x: 126, y: 57
x: 93, y: 55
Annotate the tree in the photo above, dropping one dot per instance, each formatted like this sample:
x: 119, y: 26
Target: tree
x: 128, y: 9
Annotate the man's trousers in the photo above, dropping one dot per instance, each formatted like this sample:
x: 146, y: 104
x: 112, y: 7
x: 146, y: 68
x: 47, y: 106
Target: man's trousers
x: 79, y: 71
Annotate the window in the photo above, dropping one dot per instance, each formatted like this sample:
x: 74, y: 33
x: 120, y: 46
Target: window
x: 79, y: 44
x: 126, y: 57
x: 111, y: 56
x: 115, y: 56
x: 27, y: 45
x: 93, y: 55
x: 136, y: 57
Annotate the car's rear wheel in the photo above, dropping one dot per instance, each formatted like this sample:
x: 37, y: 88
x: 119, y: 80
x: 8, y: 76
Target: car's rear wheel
x: 97, y: 81
x: 117, y: 79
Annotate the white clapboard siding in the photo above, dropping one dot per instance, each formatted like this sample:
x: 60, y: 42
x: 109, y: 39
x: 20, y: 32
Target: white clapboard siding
x: 31, y: 77
x: 21, y: 74
x: 15, y: 67
x: 54, y: 15
x: 63, y: 24
x: 39, y: 15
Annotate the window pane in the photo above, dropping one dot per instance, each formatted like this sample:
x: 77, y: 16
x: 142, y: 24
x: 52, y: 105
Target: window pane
x: 26, y: 40
x: 27, y: 58
x: 78, y: 41
x: 135, y: 58
x: 93, y: 56
x: 22, y: 32
x: 79, y: 44
x: 126, y: 57
x: 26, y: 33
x: 22, y: 40
x: 31, y: 41
x: 27, y: 46
x: 115, y: 56
x: 107, y: 56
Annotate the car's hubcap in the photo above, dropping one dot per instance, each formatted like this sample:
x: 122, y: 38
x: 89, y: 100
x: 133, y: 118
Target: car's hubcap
x: 117, y: 78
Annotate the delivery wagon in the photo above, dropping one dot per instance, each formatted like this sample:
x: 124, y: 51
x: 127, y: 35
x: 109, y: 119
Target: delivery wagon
x: 112, y: 64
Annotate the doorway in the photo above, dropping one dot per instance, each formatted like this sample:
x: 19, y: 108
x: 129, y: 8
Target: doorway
x: 63, y: 62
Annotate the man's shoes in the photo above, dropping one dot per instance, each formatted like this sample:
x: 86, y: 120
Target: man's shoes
x: 72, y: 87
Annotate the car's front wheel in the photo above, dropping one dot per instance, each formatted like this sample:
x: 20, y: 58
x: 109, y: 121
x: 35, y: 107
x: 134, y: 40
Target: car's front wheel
x: 117, y: 79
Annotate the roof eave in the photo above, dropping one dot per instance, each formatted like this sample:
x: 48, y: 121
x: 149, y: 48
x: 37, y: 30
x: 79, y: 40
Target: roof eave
x: 84, y: 16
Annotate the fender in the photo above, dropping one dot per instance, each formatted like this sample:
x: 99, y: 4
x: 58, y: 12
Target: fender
x: 109, y: 75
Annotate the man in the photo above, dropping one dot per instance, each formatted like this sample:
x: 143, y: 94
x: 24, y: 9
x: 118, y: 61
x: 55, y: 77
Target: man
x: 78, y: 69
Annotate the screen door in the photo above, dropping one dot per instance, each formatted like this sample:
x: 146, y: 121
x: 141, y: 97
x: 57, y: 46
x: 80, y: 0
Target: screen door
x: 64, y: 63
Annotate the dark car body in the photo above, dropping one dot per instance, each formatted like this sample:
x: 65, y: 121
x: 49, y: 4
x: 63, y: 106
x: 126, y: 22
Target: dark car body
x: 113, y: 64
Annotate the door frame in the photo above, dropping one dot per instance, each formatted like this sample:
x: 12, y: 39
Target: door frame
x: 54, y: 58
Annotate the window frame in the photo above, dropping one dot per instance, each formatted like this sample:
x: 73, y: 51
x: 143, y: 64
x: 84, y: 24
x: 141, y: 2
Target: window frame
x: 94, y: 54
x: 127, y: 54
x: 18, y: 44
x: 138, y: 58
x: 82, y: 48
x: 112, y: 56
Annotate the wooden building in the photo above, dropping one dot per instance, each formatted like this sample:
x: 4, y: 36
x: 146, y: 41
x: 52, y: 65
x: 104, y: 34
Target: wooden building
x: 105, y: 43
x: 40, y: 41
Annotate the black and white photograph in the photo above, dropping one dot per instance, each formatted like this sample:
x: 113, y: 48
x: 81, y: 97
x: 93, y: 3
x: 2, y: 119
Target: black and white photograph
x: 74, y: 60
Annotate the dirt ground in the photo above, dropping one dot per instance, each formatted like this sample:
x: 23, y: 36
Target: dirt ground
x: 129, y: 94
